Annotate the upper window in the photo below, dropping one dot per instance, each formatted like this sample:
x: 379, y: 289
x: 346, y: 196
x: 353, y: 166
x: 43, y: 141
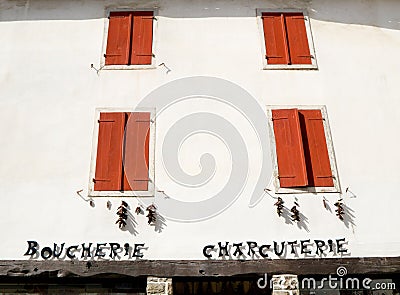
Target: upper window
x: 303, y: 150
x: 287, y: 40
x: 130, y: 38
x: 124, y: 156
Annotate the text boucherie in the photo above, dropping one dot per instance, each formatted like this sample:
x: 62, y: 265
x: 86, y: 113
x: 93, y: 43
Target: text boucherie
x: 85, y: 250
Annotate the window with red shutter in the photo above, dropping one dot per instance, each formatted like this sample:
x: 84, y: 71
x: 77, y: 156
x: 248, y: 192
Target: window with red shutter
x: 130, y: 38
x: 315, y: 148
x: 287, y: 40
x: 136, y: 157
x: 276, y: 43
x: 123, y: 158
x: 289, y: 148
x: 303, y: 151
x: 109, y: 152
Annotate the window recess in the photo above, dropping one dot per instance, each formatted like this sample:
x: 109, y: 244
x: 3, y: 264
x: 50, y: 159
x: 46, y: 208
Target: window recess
x: 303, y: 151
x: 129, y: 38
x: 124, y: 158
x: 287, y: 40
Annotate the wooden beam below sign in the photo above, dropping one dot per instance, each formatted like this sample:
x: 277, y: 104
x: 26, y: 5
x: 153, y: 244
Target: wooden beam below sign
x: 198, y: 268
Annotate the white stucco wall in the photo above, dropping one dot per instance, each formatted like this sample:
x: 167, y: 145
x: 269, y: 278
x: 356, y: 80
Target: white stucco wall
x: 49, y: 93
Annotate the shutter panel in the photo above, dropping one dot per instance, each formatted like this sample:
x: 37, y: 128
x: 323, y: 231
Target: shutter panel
x: 118, y: 40
x: 316, y: 152
x: 289, y: 148
x: 136, y: 152
x: 109, y: 152
x: 297, y: 39
x: 142, y: 38
x: 275, y: 38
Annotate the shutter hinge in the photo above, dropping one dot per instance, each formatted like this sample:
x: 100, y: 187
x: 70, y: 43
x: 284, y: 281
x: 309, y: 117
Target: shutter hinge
x: 152, y: 55
x: 107, y: 55
x: 144, y: 121
x: 101, y: 180
x: 271, y: 56
x: 310, y: 56
x: 289, y: 176
x: 105, y: 121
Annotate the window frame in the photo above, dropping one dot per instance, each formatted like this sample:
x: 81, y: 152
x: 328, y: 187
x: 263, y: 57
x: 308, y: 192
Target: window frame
x: 105, y: 40
x: 329, y: 144
x: 151, y: 185
x: 266, y: 66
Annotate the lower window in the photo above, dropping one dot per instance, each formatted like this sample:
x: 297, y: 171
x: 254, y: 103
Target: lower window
x: 124, y: 155
x: 303, y: 152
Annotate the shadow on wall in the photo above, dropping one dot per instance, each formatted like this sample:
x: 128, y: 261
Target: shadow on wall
x: 348, y: 213
x: 378, y: 13
x: 349, y: 216
x: 302, y: 224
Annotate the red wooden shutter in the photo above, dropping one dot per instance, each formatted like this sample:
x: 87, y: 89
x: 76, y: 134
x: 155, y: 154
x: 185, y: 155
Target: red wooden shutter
x: 316, y: 152
x: 289, y: 148
x: 275, y: 38
x: 142, y: 38
x: 297, y: 39
x: 118, y: 40
x: 136, y: 152
x: 109, y: 152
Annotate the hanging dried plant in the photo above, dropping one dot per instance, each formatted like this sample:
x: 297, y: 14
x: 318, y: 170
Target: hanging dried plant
x: 279, y: 206
x: 138, y: 210
x: 296, y: 214
x: 152, y: 214
x: 339, y: 209
x: 122, y: 213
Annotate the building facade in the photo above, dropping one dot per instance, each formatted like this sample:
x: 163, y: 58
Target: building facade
x: 199, y: 147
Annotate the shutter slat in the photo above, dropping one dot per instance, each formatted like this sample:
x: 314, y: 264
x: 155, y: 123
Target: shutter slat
x: 109, y: 152
x: 297, y: 39
x: 315, y: 148
x: 275, y: 38
x: 142, y: 38
x: 136, y: 152
x: 118, y: 40
x: 289, y: 148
